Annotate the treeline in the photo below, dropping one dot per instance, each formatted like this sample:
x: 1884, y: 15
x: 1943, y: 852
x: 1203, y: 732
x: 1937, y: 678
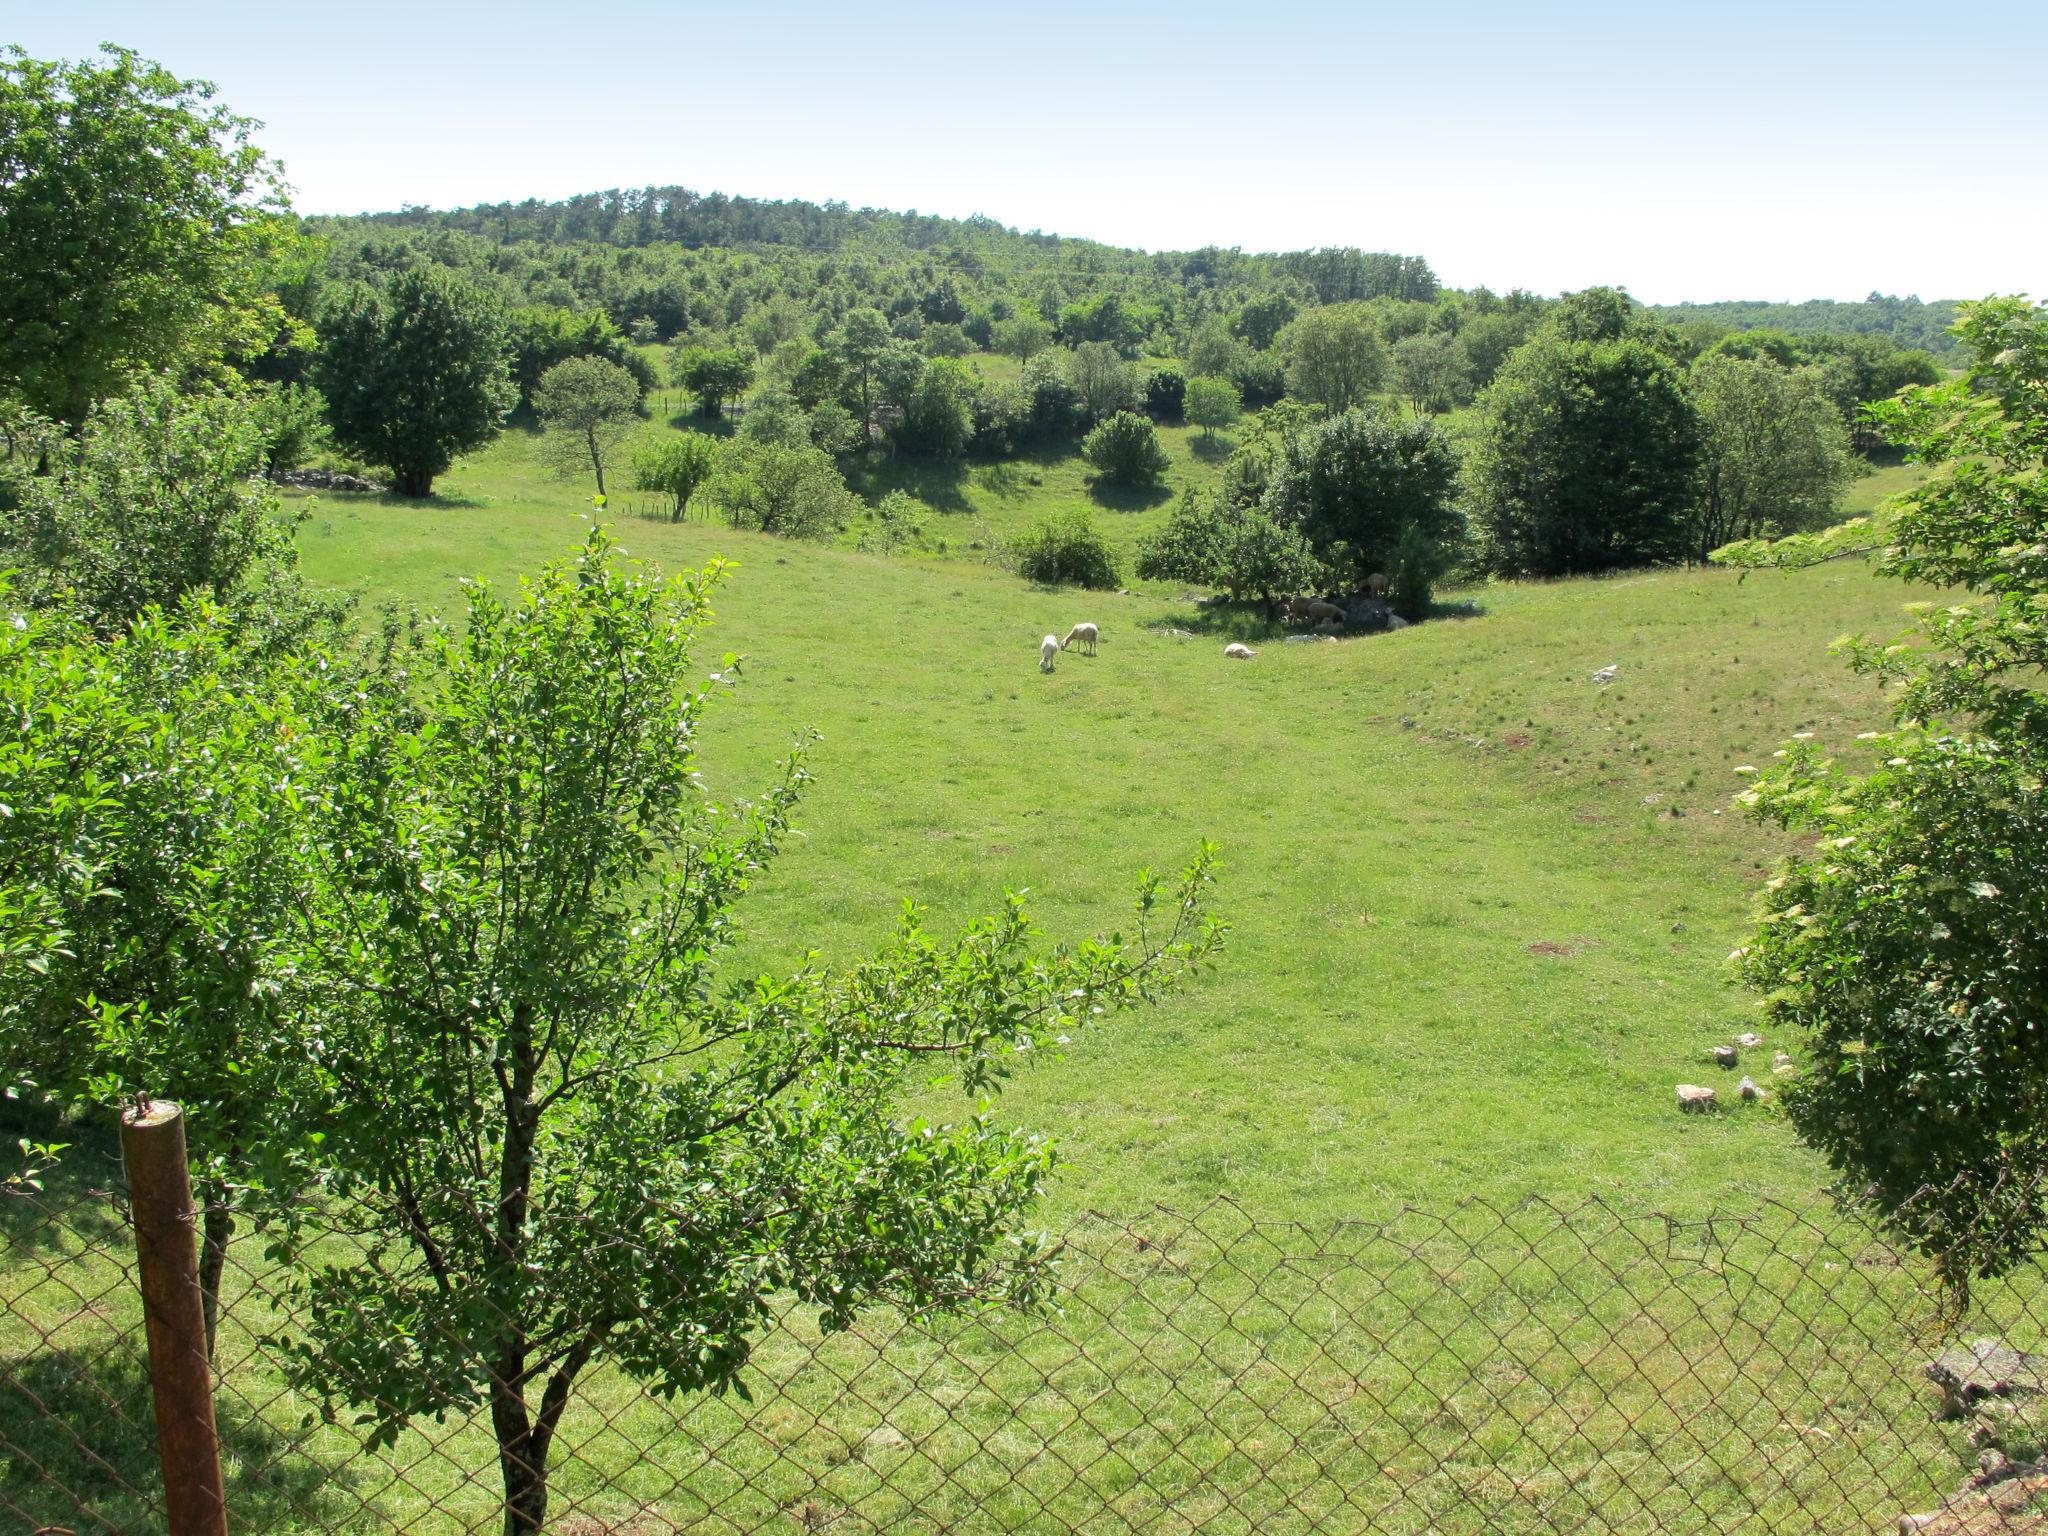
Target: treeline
x: 1907, y: 322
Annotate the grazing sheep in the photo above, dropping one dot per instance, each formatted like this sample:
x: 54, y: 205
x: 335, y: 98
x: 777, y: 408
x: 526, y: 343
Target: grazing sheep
x: 1085, y: 633
x: 1316, y: 608
x: 1377, y: 585
x: 1237, y: 652
x: 1048, y: 648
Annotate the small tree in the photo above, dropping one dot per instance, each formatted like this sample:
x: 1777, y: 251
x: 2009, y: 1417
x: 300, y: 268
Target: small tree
x: 1335, y: 357
x: 1909, y: 946
x: 1166, y: 391
x: 1211, y: 404
x: 572, y: 1145
x: 1066, y: 549
x: 589, y: 406
x: 675, y: 466
x: 714, y: 375
x: 859, y: 342
x: 1239, y: 548
x: 416, y: 373
x: 1431, y: 369
x: 1022, y: 336
x: 292, y: 421
x: 1125, y: 450
x: 1102, y: 381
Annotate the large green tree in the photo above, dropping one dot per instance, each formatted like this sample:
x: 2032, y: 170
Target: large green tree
x: 1372, y: 493
x: 136, y: 216
x: 416, y: 373
x: 1774, y: 454
x: 863, y: 336
x: 1335, y: 357
x: 1907, y: 943
x: 1584, y: 459
x: 576, y: 1143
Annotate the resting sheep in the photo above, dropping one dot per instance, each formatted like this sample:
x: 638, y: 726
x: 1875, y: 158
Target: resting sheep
x: 1377, y: 585
x: 1048, y: 648
x: 1085, y: 634
x: 1238, y: 652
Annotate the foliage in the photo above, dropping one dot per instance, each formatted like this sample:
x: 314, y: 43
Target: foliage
x: 292, y: 421
x: 938, y: 415
x: 1774, y: 455
x: 675, y: 464
x: 1102, y: 382
x: 156, y: 789
x: 1211, y: 403
x: 136, y: 216
x: 1166, y: 391
x: 1910, y: 945
x: 1371, y: 493
x: 1239, y: 548
x: 858, y: 344
x: 1261, y: 319
x: 1431, y: 370
x: 588, y: 406
x: 1051, y: 402
x: 159, y: 495
x: 1067, y: 549
x: 1125, y: 450
x: 1212, y: 352
x: 1022, y: 336
x: 415, y: 373
x: 543, y: 336
x: 897, y: 522
x: 1584, y: 459
x: 795, y: 491
x: 1335, y: 356
x: 530, y: 887
x: 714, y: 375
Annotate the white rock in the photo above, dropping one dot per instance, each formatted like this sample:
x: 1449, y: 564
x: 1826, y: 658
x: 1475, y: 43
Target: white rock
x: 1693, y: 1097
x: 1606, y: 675
x: 1749, y: 1042
x: 1724, y: 1056
x: 1748, y: 1089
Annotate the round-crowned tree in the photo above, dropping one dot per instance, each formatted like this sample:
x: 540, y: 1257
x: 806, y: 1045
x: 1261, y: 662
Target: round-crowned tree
x: 1125, y: 450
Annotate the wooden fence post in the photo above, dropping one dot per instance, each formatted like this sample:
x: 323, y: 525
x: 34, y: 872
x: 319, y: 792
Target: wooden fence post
x: 180, y: 1373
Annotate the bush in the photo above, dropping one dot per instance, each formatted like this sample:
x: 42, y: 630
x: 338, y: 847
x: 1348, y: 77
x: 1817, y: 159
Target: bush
x: 793, y: 491
x: 1165, y: 391
x: 1125, y: 450
x: 1065, y: 550
x: 675, y: 466
x: 1261, y: 378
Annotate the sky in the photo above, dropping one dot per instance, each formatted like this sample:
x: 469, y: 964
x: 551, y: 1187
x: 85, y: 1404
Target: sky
x: 1685, y: 152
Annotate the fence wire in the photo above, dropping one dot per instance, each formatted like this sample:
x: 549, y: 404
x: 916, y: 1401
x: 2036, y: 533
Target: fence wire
x: 1534, y: 1367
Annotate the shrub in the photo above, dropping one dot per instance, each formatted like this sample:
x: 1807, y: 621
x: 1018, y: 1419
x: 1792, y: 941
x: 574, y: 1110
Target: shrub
x: 675, y: 466
x: 1125, y: 450
x: 1165, y: 390
x: 1211, y: 403
x: 777, y: 488
x: 1065, y: 550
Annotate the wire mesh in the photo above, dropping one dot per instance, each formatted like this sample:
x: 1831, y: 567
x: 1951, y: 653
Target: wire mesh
x: 1529, y: 1367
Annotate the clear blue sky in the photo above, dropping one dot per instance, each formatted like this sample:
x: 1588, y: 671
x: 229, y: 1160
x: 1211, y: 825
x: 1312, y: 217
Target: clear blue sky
x: 1733, y: 150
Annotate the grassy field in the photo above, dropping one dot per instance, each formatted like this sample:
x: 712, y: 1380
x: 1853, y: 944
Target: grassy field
x: 1481, y: 910
x: 1482, y: 906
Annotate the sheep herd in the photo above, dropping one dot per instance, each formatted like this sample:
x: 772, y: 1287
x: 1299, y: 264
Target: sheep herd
x: 1327, y: 617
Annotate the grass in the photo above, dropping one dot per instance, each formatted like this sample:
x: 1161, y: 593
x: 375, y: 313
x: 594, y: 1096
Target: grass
x: 1481, y: 909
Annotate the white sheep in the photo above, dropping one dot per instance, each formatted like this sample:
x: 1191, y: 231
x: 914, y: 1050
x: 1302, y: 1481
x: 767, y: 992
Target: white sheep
x: 1238, y: 652
x: 1048, y: 648
x: 1085, y: 634
x: 1316, y: 608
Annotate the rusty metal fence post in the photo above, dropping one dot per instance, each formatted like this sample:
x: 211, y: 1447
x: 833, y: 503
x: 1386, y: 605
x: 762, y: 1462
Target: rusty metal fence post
x: 174, y: 1317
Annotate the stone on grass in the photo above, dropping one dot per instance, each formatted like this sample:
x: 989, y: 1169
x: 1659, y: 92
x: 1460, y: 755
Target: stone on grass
x: 1747, y: 1089
x: 1748, y: 1041
x: 1725, y: 1057
x: 1694, y: 1098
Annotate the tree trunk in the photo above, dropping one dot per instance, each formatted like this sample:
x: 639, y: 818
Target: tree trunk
x: 218, y: 1227
x: 412, y: 482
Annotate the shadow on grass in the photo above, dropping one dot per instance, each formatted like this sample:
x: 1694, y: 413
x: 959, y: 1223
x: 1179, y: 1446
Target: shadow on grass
x: 1211, y: 450
x: 690, y: 419
x: 75, y: 1205
x: 1128, y: 498
x: 78, y: 1425
x: 940, y: 484
x: 1252, y: 623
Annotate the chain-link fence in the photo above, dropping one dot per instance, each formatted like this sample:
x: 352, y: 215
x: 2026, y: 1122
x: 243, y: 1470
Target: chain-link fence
x: 1489, y: 1368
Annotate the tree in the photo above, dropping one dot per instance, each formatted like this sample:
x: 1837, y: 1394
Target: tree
x: 1907, y: 942
x: 291, y: 419
x: 1166, y: 392
x: 1774, y: 455
x: 572, y: 1143
x: 1103, y: 382
x: 675, y: 465
x: 136, y: 215
x: 714, y: 375
x: 159, y: 496
x: 1125, y: 450
x: 1211, y: 403
x: 416, y: 373
x: 1051, y: 402
x: 863, y: 336
x: 1431, y: 370
x: 1022, y: 336
x: 1262, y: 318
x: 156, y: 787
x: 1212, y: 351
x: 938, y: 415
x: 1065, y: 549
x: 1584, y: 459
x: 780, y: 488
x: 1209, y: 540
x: 543, y: 336
x: 1335, y: 356
x: 588, y: 406
x: 1373, y: 493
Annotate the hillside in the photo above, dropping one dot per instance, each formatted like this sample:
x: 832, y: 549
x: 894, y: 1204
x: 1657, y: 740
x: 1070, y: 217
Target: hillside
x: 1481, y: 905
